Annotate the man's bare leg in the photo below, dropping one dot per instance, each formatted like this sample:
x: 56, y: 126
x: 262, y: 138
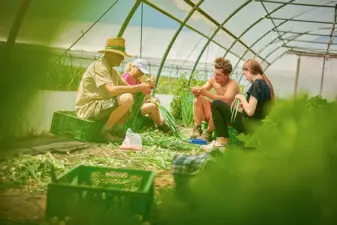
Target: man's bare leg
x: 208, y: 115
x: 207, y: 134
x: 125, y: 103
x: 210, y: 125
x: 198, y: 114
x: 153, y: 111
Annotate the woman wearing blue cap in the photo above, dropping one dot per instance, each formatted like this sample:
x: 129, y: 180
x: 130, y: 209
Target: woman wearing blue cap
x: 133, y: 72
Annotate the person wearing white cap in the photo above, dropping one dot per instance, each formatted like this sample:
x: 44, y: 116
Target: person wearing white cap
x: 133, y: 72
x: 104, y: 95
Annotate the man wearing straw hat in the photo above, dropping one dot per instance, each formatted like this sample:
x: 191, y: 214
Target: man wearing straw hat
x: 103, y: 93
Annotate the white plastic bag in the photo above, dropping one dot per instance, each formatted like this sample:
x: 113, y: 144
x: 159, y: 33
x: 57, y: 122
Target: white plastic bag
x: 132, y: 141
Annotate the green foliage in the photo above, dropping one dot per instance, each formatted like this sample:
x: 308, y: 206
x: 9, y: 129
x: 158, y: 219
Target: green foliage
x: 316, y: 101
x: 186, y: 105
x: 274, y: 121
x: 170, y: 121
x: 135, y: 122
x: 183, y: 87
x: 290, y: 178
x: 175, y: 106
x: 63, y: 76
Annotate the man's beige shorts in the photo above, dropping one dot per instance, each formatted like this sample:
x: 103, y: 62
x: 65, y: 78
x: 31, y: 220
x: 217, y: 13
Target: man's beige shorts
x: 103, y: 108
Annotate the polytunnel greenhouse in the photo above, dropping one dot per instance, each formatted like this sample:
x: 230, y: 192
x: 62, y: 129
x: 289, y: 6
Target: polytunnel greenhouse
x: 246, y: 145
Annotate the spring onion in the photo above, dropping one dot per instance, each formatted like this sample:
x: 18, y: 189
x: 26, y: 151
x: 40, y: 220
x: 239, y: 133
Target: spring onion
x: 234, y: 109
x: 187, y: 108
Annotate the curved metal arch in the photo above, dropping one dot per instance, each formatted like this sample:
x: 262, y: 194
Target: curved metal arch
x: 128, y: 18
x: 275, y: 60
x: 168, y: 48
x: 179, y: 22
x: 290, y: 40
x: 211, y: 19
x: 10, y: 41
x: 271, y: 30
x: 212, y: 37
x: 256, y: 22
x: 269, y: 64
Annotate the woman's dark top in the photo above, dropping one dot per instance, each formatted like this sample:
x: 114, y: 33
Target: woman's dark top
x: 261, y: 91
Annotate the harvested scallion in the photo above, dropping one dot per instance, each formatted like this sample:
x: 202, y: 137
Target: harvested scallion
x: 168, y: 118
x: 187, y: 108
x: 234, y: 109
x: 135, y: 121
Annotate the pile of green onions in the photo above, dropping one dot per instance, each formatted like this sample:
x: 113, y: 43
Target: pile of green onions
x: 187, y: 108
x: 169, y: 120
x: 234, y: 109
x: 135, y: 121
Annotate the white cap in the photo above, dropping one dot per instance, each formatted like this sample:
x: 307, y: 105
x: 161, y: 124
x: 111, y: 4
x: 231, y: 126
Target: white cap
x: 141, y: 64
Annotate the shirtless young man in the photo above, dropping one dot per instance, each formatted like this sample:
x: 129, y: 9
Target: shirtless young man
x: 225, y: 90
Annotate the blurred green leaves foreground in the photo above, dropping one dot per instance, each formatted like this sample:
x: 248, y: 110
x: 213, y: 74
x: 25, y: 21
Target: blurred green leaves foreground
x: 290, y: 178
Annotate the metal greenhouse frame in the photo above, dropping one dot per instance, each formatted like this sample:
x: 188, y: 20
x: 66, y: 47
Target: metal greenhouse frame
x: 289, y: 39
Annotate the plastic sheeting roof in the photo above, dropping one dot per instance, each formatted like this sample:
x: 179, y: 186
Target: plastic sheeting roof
x: 237, y: 29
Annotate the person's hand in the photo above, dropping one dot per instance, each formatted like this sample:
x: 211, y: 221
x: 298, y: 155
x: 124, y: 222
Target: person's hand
x: 193, y: 90
x: 144, y: 88
x: 196, y: 91
x: 240, y: 109
x: 157, y: 100
x: 152, y: 84
x: 151, y: 81
x: 202, y: 91
x: 240, y: 97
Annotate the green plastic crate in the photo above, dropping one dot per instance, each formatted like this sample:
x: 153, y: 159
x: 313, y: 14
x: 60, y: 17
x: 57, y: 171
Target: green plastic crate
x: 100, y: 194
x: 68, y: 124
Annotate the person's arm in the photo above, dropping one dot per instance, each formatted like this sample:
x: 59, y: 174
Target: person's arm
x: 249, y: 106
x: 118, y: 90
x: 254, y: 96
x: 196, y: 91
x: 103, y: 79
x: 127, y: 78
x: 208, y: 85
x: 232, y: 90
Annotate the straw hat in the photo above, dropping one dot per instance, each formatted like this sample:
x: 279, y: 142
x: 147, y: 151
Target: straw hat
x: 116, y: 45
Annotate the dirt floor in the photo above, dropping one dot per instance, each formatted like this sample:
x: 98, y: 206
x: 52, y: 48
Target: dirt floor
x: 27, y: 202
x: 23, y: 208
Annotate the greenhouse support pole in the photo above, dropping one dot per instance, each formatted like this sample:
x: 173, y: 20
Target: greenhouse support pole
x: 16, y: 27
x: 256, y: 22
x: 322, y: 77
x: 297, y: 74
x: 168, y: 48
x: 128, y: 18
x: 212, y: 37
x: 85, y: 32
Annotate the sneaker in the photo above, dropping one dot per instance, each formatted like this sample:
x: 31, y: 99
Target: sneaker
x: 196, y: 131
x: 207, y: 136
x: 213, y: 147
